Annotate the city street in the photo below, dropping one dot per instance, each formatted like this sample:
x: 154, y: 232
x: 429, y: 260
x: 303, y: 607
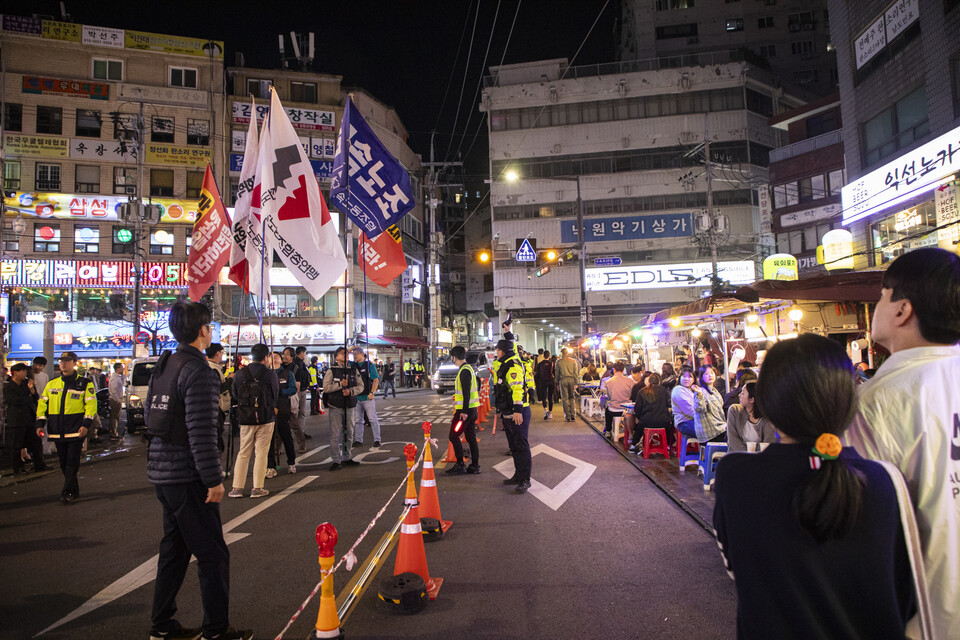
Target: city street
x: 593, y: 550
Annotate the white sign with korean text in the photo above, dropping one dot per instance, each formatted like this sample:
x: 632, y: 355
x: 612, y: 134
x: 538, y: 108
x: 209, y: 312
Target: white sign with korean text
x: 948, y: 213
x: 809, y: 215
x: 105, y: 150
x: 300, y: 118
x: 870, y: 42
x: 238, y: 140
x: 102, y: 36
x: 910, y: 175
x: 899, y: 16
x: 663, y: 276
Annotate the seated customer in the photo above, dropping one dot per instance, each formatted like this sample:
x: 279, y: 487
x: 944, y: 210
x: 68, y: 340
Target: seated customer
x: 653, y: 411
x: 745, y: 422
x: 743, y: 377
x: 681, y: 402
x: 708, y: 418
x: 817, y: 516
x: 618, y: 387
x: 629, y: 419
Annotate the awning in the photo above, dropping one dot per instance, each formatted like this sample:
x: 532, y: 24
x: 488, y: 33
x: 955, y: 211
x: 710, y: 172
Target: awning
x: 408, y: 343
x: 857, y: 286
x: 374, y: 341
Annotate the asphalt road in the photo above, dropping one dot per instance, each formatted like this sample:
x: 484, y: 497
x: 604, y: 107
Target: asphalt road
x: 594, y: 550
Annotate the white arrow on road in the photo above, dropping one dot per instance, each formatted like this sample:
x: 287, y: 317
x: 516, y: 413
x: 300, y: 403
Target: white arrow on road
x: 555, y: 497
x: 147, y: 572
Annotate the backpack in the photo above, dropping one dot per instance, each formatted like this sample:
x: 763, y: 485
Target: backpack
x: 252, y: 401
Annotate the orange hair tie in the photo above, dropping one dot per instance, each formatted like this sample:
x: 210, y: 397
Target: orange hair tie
x: 828, y: 446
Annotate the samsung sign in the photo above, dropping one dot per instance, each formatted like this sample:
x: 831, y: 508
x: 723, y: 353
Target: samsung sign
x: 663, y: 276
x: 907, y: 177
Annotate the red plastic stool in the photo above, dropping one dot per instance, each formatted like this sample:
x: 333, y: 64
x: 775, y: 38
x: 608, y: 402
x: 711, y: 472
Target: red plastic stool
x: 662, y: 446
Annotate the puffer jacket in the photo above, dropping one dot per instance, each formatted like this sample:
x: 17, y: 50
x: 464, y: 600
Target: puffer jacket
x: 19, y: 404
x: 198, y: 388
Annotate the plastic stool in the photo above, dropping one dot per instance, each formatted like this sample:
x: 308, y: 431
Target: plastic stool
x: 593, y: 407
x: 662, y: 447
x: 712, y: 451
x: 617, y: 420
x: 685, y: 457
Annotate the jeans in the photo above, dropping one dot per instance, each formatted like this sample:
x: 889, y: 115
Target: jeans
x: 468, y: 431
x: 518, y: 439
x: 191, y: 527
x: 69, y: 451
x: 368, y: 407
x: 388, y: 385
x: 568, y: 393
x: 254, y: 438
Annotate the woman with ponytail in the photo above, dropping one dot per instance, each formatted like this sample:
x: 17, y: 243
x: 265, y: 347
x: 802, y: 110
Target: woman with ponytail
x: 808, y: 529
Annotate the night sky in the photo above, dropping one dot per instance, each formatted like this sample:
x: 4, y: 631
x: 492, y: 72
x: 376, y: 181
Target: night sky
x: 402, y: 51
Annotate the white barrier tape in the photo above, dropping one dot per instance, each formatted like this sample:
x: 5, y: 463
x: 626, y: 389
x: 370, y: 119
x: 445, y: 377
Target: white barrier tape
x: 411, y: 528
x: 427, y: 483
x: 350, y: 552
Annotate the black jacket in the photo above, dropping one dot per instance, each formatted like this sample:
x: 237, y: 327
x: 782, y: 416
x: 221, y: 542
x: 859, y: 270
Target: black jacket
x: 267, y: 377
x: 19, y: 405
x: 198, y: 387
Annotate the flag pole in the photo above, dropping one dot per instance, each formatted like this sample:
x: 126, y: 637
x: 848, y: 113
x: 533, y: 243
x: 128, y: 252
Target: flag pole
x: 348, y: 247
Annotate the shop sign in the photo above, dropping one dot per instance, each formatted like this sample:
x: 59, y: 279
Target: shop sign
x: 322, y: 169
x: 900, y: 15
x: 808, y: 216
x: 22, y: 25
x: 763, y: 202
x: 85, y: 337
x: 102, y: 36
x: 169, y: 95
x: 174, y: 44
x: 780, y: 266
x: 907, y: 177
x: 102, y: 151
x: 310, y: 119
x: 808, y: 263
x: 89, y: 273
x: 665, y: 225
x: 908, y: 219
x: 665, y: 276
x: 393, y: 328
x: 75, y: 88
x: 444, y: 336
x: 287, y: 335
x: 948, y: 215
x: 35, y: 146
x: 66, y: 206
x: 870, y: 42
x: 836, y: 252
x: 56, y: 30
x: 179, y: 156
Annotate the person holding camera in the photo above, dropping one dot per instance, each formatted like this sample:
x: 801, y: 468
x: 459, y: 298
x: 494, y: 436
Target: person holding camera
x: 341, y: 386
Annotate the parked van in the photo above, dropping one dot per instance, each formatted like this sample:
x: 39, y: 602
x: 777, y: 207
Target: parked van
x: 137, y: 380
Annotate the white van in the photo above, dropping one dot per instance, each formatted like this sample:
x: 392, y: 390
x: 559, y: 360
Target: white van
x: 137, y: 379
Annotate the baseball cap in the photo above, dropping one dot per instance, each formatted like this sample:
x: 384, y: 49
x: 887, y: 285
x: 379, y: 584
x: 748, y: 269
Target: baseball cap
x: 506, y: 346
x: 68, y: 355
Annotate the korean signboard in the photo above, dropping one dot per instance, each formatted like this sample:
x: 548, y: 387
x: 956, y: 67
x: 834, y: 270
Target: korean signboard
x: 665, y: 225
x: 22, y: 25
x: 301, y: 334
x: 180, y: 156
x: 35, y: 146
x: 310, y: 119
x: 88, y: 339
x: 102, y: 150
x: 56, y: 30
x: 887, y: 26
x: 948, y: 213
x: 663, y: 276
x: 67, y: 206
x: 90, y: 273
x: 74, y: 88
x: 907, y: 177
x: 780, y: 266
x: 322, y: 169
x: 102, y: 36
x: 174, y: 44
x: 807, y: 216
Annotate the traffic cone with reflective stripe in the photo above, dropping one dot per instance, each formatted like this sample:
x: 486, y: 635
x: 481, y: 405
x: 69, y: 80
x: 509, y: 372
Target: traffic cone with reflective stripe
x: 328, y: 622
x: 429, y: 497
x: 411, y: 554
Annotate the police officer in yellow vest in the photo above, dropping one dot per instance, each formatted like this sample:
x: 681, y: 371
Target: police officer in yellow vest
x: 510, y: 390
x: 65, y: 412
x: 527, y: 361
x: 466, y: 400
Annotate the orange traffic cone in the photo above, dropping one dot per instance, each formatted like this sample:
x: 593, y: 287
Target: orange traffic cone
x: 411, y: 554
x: 451, y: 456
x: 328, y: 622
x: 484, y: 409
x: 429, y: 497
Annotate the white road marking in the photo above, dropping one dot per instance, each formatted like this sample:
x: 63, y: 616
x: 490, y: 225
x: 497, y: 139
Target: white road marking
x: 147, y: 572
x: 555, y: 497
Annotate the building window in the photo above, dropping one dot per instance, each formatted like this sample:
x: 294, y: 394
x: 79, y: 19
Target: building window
x: 161, y: 242
x: 303, y: 92
x: 12, y: 117
x: 105, y: 69
x: 198, y: 132
x: 895, y: 127
x: 803, y: 21
x: 11, y: 174
x: 667, y: 5
x: 804, y: 49
x: 234, y: 188
x: 734, y: 24
x: 768, y: 50
x: 412, y: 227
x: 49, y: 119
x: 11, y: 241
x: 759, y: 103
x: 122, y: 239
x: 812, y: 188
x: 48, y: 177
x: 161, y: 182
x: 259, y: 88
x: 194, y: 184
x: 836, y: 181
x: 810, y: 76
x: 88, y: 123
x: 189, y: 242
x: 161, y: 129
x: 688, y: 30
x: 822, y: 123
x: 88, y: 179
x: 183, y: 77
x: 785, y: 195
x: 124, y: 181
x: 46, y: 237
x: 765, y: 22
x: 86, y: 239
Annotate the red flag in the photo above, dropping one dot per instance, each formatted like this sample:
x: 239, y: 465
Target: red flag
x: 211, y: 240
x: 383, y: 258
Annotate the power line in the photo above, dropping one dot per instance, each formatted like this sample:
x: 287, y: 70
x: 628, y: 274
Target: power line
x: 463, y: 85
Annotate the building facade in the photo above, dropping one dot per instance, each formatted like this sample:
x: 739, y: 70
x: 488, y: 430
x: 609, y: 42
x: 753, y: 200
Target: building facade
x: 899, y: 65
x: 632, y: 138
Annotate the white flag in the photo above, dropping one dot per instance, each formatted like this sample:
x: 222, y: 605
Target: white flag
x: 247, y: 255
x: 297, y: 222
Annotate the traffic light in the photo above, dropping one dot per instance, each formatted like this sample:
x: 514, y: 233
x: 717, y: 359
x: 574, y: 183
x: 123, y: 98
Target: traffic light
x: 482, y: 256
x: 550, y: 255
x: 544, y: 270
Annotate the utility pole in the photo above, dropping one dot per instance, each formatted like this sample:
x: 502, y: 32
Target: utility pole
x: 711, y: 233
x: 138, y: 227
x: 581, y: 238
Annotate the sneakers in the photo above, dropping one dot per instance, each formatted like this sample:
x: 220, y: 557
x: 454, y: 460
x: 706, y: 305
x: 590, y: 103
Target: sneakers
x: 259, y: 493
x: 271, y: 473
x: 376, y: 444
x: 548, y: 415
x: 457, y: 469
x: 473, y: 469
x: 350, y: 463
x: 235, y: 493
x: 292, y: 468
x: 230, y: 634
x: 522, y: 486
x: 178, y: 633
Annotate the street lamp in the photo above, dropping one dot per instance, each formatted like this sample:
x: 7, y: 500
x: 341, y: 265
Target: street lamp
x: 512, y: 176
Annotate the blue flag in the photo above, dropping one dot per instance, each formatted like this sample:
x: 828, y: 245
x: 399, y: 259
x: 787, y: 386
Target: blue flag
x: 379, y: 187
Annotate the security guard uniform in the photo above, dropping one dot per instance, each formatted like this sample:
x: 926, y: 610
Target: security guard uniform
x: 511, y: 377
x: 68, y: 404
x: 466, y: 401
x: 531, y: 383
x: 406, y: 374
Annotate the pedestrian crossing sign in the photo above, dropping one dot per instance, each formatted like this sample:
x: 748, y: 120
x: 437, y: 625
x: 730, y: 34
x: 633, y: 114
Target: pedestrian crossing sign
x: 526, y: 253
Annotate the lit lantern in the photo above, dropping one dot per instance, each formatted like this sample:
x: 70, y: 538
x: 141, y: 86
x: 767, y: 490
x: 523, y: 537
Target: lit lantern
x: 837, y: 250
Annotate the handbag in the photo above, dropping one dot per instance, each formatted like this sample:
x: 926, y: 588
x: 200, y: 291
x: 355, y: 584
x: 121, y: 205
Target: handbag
x: 921, y: 625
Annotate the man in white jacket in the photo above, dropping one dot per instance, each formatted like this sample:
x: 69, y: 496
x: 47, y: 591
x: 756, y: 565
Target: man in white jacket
x: 910, y: 411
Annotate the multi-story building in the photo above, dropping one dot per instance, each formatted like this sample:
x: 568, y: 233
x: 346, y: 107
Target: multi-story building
x: 806, y: 176
x: 789, y: 38
x: 630, y: 140
x: 899, y: 66
x: 80, y: 103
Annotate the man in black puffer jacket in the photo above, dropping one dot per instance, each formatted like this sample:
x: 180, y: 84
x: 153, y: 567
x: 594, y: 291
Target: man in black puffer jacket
x: 183, y: 462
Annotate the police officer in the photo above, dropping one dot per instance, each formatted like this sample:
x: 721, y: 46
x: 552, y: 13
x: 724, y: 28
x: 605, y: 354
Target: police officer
x: 528, y: 370
x: 511, y: 402
x: 466, y: 401
x: 314, y: 389
x: 66, y: 410
x: 407, y: 366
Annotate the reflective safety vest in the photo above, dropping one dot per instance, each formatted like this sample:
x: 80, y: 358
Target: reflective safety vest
x: 528, y: 370
x: 313, y: 375
x: 474, y: 401
x: 514, y: 378
x: 406, y: 367
x: 66, y: 405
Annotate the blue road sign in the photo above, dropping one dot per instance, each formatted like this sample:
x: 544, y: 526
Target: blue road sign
x: 526, y: 253
x: 607, y: 261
